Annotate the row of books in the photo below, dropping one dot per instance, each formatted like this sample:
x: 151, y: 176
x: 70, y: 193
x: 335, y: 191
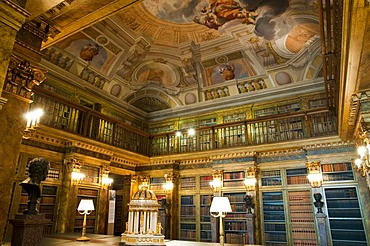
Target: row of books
x: 336, y: 167
x: 49, y: 190
x: 235, y: 197
x: 291, y: 180
x: 234, y: 175
x: 87, y: 192
x: 236, y: 226
x: 89, y: 222
x: 187, y: 226
x: 233, y: 238
x: 47, y: 200
x: 188, y: 235
x: 53, y: 173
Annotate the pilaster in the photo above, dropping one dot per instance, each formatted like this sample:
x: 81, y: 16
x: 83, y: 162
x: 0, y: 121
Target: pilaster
x: 12, y: 18
x: 11, y: 130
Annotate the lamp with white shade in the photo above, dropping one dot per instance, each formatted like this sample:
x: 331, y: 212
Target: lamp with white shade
x: 85, y: 208
x: 219, y: 208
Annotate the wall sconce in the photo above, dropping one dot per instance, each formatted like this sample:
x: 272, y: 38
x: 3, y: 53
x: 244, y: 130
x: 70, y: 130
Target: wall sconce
x: 250, y: 178
x: 33, y: 120
x: 314, y: 174
x: 178, y: 133
x: 219, y: 208
x: 216, y: 183
x: 168, y: 185
x: 106, y: 182
x: 363, y: 162
x: 85, y: 208
x: 191, y: 131
x: 77, y: 176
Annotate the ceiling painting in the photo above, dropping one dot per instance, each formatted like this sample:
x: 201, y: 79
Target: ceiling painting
x: 158, y: 54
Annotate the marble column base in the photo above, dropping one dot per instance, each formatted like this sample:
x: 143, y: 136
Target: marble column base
x: 321, y: 229
x: 250, y: 227
x: 27, y: 229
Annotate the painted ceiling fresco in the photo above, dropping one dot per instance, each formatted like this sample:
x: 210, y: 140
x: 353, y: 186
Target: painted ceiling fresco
x: 159, y: 54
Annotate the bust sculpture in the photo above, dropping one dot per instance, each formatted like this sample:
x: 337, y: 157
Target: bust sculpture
x: 38, y: 171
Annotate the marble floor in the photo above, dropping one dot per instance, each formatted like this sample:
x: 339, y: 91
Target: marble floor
x: 99, y: 240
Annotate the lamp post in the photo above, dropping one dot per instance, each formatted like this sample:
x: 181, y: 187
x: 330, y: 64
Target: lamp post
x: 219, y: 208
x: 85, y: 208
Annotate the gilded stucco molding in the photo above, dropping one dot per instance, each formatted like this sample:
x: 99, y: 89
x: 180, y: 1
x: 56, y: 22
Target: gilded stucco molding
x: 123, y: 161
x: 12, y: 14
x: 340, y: 144
x: 48, y: 140
x: 281, y: 153
x: 89, y: 147
x: 233, y: 155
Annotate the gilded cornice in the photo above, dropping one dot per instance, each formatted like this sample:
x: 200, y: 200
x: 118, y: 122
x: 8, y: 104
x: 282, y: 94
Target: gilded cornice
x: 281, y: 153
x: 12, y: 14
x: 123, y: 161
x: 233, y: 155
x: 320, y: 146
x: 89, y: 147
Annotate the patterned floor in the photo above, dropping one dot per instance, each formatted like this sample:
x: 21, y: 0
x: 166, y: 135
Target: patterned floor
x: 99, y: 239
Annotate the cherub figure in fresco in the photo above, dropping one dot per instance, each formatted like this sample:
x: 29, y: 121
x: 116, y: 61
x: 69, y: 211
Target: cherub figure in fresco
x: 219, y: 12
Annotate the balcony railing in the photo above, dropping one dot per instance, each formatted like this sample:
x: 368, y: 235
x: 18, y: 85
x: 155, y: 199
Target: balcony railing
x: 68, y: 116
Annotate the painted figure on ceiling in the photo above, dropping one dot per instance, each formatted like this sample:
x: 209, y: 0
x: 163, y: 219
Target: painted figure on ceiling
x: 219, y: 12
x: 89, y: 51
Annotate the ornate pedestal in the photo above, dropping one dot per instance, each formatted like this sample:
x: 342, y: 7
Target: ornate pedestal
x: 27, y: 229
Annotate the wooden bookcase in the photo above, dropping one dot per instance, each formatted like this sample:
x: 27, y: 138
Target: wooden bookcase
x: 297, y: 176
x: 188, y: 183
x: 274, y: 218
x: 47, y: 205
x: 271, y: 178
x: 301, y: 214
x: 337, y: 172
x: 156, y: 184
x: 234, y: 179
x: 205, y: 218
x: 344, y: 213
x: 235, y: 222
x: 188, y: 225
x: 91, y: 220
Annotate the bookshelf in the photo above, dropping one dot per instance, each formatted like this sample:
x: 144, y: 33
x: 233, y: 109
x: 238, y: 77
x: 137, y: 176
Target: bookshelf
x: 297, y: 176
x: 344, y: 213
x: 22, y: 202
x: 337, y: 172
x: 84, y: 193
x: 188, y: 218
x: 188, y: 183
x: 235, y: 222
x: 47, y: 206
x: 301, y: 214
x: 118, y: 219
x: 205, y: 218
x: 291, y: 128
x: 274, y: 218
x: 233, y: 179
x: 156, y: 183
x: 205, y: 182
x: 271, y: 178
